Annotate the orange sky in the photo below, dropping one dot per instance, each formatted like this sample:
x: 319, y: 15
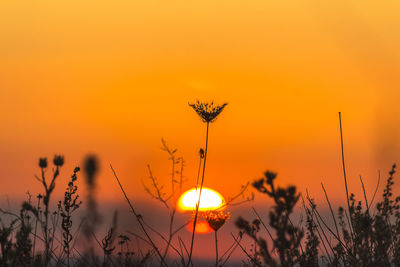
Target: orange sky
x: 114, y: 77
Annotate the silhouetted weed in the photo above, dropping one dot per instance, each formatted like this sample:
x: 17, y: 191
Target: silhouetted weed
x: 208, y: 112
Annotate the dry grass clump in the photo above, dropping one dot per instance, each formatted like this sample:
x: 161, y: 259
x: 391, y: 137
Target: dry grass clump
x: 360, y: 236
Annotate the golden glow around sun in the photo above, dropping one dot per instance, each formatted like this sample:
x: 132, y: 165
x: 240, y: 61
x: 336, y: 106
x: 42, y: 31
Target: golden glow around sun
x: 210, y: 200
x: 202, y: 227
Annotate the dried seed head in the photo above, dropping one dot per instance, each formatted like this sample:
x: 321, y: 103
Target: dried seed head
x: 43, y: 162
x: 58, y: 160
x: 216, y: 219
x: 208, y: 112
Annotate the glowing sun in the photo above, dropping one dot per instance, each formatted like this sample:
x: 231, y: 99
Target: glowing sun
x: 210, y: 200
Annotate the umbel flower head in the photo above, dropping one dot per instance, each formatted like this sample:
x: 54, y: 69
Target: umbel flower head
x: 208, y: 112
x: 216, y: 219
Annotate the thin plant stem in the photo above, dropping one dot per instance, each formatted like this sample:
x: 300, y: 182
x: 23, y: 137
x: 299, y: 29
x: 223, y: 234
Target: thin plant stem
x: 350, y: 225
x: 230, y: 250
x: 46, y: 213
x: 367, y: 210
x: 295, y: 233
x: 139, y: 219
x: 55, y: 221
x: 48, y: 191
x: 376, y: 188
x: 183, y: 245
x: 324, y: 223
x: 253, y: 260
x: 173, y: 174
x: 181, y: 175
x: 344, y: 169
x: 36, y: 224
x: 172, y: 215
x: 198, y: 202
x: 326, y: 238
x: 198, y: 174
x: 365, y: 195
x: 216, y: 248
x: 263, y: 224
x: 323, y: 242
x: 331, y: 210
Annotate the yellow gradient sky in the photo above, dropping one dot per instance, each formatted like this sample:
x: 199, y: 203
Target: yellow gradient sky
x: 114, y: 77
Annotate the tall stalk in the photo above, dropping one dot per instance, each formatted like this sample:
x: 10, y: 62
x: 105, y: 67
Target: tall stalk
x: 208, y: 113
x: 198, y: 201
x: 344, y: 170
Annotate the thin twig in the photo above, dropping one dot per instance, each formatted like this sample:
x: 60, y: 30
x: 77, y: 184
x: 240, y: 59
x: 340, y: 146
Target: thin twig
x: 263, y: 224
x: 231, y: 249
x: 376, y: 188
x: 365, y: 195
x: 344, y: 168
x: 245, y: 252
x: 330, y: 208
x: 138, y: 218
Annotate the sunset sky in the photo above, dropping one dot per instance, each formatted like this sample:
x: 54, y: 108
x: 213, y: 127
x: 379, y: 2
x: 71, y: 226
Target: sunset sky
x: 114, y: 77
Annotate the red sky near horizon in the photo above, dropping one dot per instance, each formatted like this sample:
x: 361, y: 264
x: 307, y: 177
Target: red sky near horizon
x: 114, y: 77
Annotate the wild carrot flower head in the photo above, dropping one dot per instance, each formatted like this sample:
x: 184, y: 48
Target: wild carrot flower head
x: 208, y: 112
x: 216, y: 219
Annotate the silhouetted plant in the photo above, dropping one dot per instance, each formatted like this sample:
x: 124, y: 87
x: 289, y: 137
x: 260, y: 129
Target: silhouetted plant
x: 58, y: 162
x: 288, y: 236
x: 23, y: 243
x: 216, y: 219
x: 108, y: 240
x: 69, y: 205
x: 252, y: 230
x: 6, y: 242
x: 16, y: 251
x: 168, y: 200
x: 90, y: 169
x: 310, y: 255
x: 208, y: 112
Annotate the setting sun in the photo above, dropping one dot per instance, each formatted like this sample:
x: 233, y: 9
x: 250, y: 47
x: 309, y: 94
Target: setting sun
x: 210, y: 200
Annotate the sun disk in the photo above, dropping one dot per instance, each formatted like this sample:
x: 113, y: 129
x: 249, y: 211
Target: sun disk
x: 210, y: 200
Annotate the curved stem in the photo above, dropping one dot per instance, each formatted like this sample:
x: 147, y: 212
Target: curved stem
x: 198, y: 201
